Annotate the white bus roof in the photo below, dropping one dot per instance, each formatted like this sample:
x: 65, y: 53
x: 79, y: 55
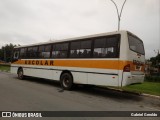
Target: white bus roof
x: 75, y: 38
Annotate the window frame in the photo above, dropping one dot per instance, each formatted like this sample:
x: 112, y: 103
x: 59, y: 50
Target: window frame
x: 91, y: 39
x: 118, y: 36
x: 80, y: 40
x: 38, y: 52
x: 130, y: 34
x: 67, y: 42
x: 35, y: 57
x: 25, y: 56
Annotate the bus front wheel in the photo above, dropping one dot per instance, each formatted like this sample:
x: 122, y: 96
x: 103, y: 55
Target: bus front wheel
x: 20, y: 74
x: 66, y: 81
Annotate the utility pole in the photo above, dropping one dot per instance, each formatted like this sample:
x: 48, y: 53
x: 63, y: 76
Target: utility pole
x: 119, y: 14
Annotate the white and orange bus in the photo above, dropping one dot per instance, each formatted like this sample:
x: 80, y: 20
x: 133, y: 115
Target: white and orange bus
x: 108, y: 59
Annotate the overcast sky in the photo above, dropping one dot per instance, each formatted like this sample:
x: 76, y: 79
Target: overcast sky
x: 33, y: 21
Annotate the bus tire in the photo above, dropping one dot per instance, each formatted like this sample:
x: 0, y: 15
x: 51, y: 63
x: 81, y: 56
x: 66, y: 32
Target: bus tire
x: 20, y: 74
x: 66, y: 81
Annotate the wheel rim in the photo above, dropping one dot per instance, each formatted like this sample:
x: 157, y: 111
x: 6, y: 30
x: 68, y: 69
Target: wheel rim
x: 66, y: 81
x: 20, y: 75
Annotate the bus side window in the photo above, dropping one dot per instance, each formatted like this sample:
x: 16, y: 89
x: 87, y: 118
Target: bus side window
x: 106, y: 47
x: 112, y: 46
x: 29, y: 52
x: 80, y: 49
x: 23, y: 52
x: 85, y: 49
x: 74, y: 50
x: 44, y: 51
x: 99, y: 48
x: 60, y: 50
x: 32, y: 52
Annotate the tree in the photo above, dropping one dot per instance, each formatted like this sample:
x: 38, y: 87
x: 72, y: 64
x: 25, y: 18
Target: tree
x: 155, y: 61
x: 6, y: 52
x: 1, y: 54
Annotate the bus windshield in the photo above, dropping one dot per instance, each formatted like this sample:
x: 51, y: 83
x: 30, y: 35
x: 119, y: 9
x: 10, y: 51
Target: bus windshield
x: 136, y: 44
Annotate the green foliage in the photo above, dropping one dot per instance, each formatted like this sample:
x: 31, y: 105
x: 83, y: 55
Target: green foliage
x: 5, y: 68
x: 155, y: 60
x: 152, y: 78
x: 146, y: 87
x: 6, y: 52
x: 1, y: 54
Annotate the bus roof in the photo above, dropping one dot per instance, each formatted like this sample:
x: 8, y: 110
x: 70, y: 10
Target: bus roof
x: 75, y: 38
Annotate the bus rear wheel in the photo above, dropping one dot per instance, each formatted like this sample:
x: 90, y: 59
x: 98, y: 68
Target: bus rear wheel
x: 20, y: 74
x: 66, y: 81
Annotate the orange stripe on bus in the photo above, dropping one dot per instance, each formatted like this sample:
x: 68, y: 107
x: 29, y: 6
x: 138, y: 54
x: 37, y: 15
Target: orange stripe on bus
x: 103, y: 64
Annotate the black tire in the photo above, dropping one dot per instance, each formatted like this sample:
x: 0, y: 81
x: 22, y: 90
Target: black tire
x: 20, y: 74
x: 66, y: 81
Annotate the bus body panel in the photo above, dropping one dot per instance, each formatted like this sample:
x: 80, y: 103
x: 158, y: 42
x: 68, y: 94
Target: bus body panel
x: 103, y: 80
x: 41, y: 73
x: 129, y: 78
x: 137, y: 62
x: 94, y: 71
x: 80, y: 78
x: 80, y: 75
x: 123, y: 55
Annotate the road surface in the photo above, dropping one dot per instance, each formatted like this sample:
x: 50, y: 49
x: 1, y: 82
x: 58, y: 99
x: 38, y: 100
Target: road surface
x: 33, y: 94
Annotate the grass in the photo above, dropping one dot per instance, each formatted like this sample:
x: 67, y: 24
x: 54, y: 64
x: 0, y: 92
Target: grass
x: 146, y: 87
x: 4, y: 68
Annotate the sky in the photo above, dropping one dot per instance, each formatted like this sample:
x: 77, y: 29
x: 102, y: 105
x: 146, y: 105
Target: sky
x: 32, y: 21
